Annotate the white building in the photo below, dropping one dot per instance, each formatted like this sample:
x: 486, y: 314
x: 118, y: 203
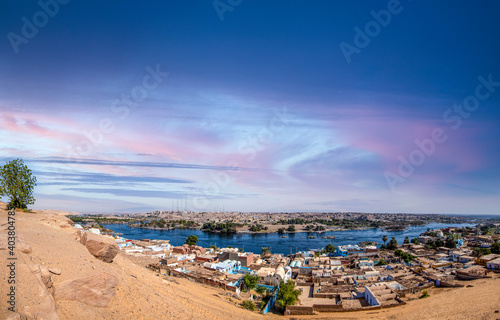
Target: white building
x: 493, y: 264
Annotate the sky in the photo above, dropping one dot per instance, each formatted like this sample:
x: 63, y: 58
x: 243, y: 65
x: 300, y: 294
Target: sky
x: 236, y: 105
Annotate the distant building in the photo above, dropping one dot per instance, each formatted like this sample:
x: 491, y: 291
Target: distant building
x: 465, y: 259
x: 483, y: 260
x: 380, y: 294
x: 344, y: 251
x: 246, y: 258
x: 493, y: 264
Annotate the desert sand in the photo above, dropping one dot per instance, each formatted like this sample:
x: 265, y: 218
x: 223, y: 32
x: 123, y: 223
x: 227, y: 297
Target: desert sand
x: 141, y: 294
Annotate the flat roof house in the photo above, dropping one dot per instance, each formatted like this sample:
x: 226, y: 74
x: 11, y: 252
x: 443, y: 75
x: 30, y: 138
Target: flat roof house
x: 493, y: 264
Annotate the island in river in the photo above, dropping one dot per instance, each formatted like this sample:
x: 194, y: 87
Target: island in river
x: 266, y: 222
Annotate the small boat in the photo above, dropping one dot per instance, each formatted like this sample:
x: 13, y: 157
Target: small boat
x: 283, y: 236
x: 328, y: 237
x: 311, y: 237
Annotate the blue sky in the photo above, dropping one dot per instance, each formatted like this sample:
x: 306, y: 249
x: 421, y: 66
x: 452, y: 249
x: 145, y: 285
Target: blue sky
x: 254, y: 105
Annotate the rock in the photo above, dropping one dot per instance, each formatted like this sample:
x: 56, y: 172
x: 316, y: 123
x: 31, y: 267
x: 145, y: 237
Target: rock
x: 43, y: 273
x: 46, y: 311
x: 101, y: 247
x: 77, y: 235
x: 55, y: 271
x: 83, y: 238
x: 14, y: 316
x: 96, y: 290
x: 22, y: 246
x: 37, y: 293
x: 64, y: 225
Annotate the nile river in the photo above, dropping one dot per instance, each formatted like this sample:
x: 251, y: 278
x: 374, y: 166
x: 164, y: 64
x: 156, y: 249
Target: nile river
x: 295, y: 241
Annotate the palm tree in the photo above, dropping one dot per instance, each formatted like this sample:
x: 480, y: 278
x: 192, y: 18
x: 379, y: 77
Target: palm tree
x: 265, y: 251
x: 384, y: 238
x: 407, y: 239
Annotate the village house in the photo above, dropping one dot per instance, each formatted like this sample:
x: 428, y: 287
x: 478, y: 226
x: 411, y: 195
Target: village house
x: 465, y: 259
x: 381, y: 294
x: 483, y: 260
x: 493, y: 264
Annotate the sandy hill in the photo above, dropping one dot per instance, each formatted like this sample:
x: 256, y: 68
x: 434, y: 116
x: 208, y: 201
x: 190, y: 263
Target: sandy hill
x: 51, y: 263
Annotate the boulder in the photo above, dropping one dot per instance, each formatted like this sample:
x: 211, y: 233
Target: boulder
x: 23, y: 246
x: 77, y: 235
x: 35, y: 289
x: 96, y: 290
x: 55, y: 271
x: 100, y: 247
x: 83, y: 238
x: 43, y: 273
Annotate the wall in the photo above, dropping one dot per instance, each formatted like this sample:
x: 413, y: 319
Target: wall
x: 299, y: 310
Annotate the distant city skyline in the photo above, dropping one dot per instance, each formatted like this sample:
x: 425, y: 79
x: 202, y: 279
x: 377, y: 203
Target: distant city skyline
x: 280, y: 106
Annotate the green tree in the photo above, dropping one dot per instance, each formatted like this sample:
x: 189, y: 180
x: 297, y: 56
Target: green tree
x: 393, y: 244
x: 414, y: 240
x: 287, y: 294
x: 382, y: 262
x: 260, y: 290
x: 384, y: 238
x: 191, y: 240
x: 439, y: 243
x: 330, y: 248
x: 250, y: 281
x: 265, y: 251
x: 478, y: 252
x: 17, y: 182
x: 450, y: 243
x: 407, y: 240
x: 281, y: 230
x: 291, y: 228
x: 495, y: 248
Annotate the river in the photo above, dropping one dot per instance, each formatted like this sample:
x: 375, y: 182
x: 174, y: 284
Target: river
x: 295, y: 241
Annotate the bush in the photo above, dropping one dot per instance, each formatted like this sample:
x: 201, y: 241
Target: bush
x: 260, y: 290
x: 249, y: 305
x: 425, y: 294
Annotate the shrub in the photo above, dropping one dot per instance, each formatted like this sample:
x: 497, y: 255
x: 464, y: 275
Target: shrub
x: 249, y: 305
x: 425, y: 294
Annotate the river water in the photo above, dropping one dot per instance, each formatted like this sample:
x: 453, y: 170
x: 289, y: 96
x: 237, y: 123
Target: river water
x: 295, y: 241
